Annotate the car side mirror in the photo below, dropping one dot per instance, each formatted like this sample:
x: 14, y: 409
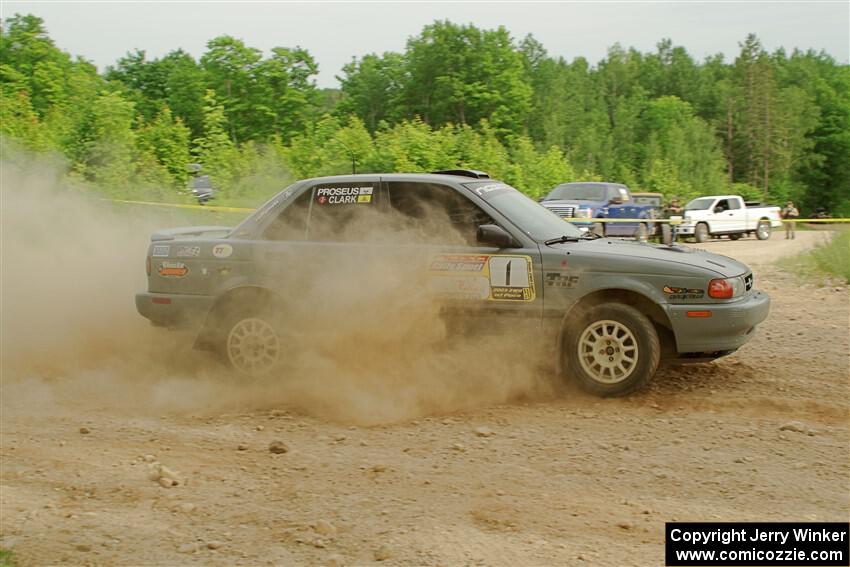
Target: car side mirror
x: 616, y: 201
x: 719, y: 209
x: 496, y: 236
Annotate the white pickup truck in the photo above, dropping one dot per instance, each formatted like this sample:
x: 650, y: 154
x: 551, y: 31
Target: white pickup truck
x: 718, y: 215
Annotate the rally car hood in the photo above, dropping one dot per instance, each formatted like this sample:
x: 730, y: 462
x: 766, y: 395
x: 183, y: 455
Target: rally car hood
x: 685, y: 255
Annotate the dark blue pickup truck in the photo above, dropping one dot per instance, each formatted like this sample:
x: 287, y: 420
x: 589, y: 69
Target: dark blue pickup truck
x: 589, y: 203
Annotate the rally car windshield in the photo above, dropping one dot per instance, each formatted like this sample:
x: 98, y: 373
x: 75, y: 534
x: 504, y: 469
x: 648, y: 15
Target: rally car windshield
x: 533, y: 219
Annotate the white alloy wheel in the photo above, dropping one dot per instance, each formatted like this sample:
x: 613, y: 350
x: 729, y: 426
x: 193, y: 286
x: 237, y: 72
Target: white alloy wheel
x: 608, y: 351
x: 253, y: 346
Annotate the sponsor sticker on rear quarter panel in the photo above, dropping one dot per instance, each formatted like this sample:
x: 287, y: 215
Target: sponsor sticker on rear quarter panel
x: 222, y: 250
x: 173, y: 269
x: 188, y: 251
x: 160, y: 251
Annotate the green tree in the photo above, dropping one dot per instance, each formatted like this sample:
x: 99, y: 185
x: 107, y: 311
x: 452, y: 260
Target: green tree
x: 19, y: 121
x: 536, y: 173
x: 105, y: 147
x: 286, y: 96
x: 681, y: 146
x: 167, y: 139
x: 231, y: 66
x: 461, y: 74
x: 373, y: 88
x: 414, y: 146
x: 215, y: 150
x: 823, y: 165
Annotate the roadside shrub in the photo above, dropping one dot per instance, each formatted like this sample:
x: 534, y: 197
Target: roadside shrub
x: 834, y: 258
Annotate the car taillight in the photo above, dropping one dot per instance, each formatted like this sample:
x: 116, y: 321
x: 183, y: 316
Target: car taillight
x: 720, y: 289
x: 148, y: 265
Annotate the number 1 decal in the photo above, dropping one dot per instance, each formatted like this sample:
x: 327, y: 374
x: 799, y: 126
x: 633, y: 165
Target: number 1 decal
x: 484, y: 276
x: 511, y: 278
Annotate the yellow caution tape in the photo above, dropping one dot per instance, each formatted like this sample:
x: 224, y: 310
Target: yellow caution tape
x: 692, y: 221
x: 573, y: 219
x: 181, y: 206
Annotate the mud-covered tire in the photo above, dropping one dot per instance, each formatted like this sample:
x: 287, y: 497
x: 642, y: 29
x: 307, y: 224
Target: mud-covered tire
x: 642, y: 233
x: 736, y: 236
x: 701, y: 233
x: 250, y: 341
x: 611, y: 350
x: 763, y: 230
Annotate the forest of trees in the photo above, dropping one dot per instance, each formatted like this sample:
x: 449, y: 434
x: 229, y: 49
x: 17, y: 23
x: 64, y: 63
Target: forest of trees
x: 769, y: 126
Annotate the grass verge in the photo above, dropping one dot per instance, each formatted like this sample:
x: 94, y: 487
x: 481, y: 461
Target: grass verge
x: 6, y: 559
x: 831, y: 259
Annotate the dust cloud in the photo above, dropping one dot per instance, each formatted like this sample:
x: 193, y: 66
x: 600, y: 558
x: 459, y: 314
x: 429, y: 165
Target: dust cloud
x: 365, y: 340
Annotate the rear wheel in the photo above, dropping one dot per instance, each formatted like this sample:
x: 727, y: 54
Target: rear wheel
x: 252, y: 345
x: 245, y: 332
x: 612, y: 350
x: 763, y: 230
x: 701, y: 232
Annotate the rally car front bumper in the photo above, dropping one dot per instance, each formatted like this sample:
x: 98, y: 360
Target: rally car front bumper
x: 717, y: 327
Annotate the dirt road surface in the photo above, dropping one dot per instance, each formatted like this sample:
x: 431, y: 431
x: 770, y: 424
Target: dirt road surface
x: 563, y: 479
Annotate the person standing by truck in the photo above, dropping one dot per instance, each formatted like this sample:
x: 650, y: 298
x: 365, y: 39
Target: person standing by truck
x: 789, y: 213
x: 668, y: 230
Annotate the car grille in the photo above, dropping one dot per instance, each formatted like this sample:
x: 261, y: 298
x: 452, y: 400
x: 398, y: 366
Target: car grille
x: 748, y: 281
x: 566, y: 212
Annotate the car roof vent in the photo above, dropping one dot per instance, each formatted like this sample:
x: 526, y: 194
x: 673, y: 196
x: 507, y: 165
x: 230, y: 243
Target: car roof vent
x: 474, y: 173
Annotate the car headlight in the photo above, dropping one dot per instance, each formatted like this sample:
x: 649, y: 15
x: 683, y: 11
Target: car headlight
x: 582, y: 213
x: 726, y: 288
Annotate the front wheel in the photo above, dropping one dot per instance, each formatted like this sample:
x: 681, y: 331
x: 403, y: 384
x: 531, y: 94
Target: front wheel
x: 763, y: 230
x: 642, y: 233
x: 701, y: 232
x: 612, y: 350
x: 598, y: 229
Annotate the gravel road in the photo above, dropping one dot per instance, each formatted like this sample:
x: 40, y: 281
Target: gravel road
x: 109, y: 460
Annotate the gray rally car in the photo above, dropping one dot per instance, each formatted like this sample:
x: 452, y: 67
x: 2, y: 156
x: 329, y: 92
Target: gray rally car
x: 612, y: 310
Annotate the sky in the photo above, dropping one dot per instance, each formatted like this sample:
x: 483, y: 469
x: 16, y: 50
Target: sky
x: 334, y: 32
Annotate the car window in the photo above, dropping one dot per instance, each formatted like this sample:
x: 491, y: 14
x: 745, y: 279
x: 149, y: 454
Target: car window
x: 619, y: 193
x: 435, y: 213
x: 291, y: 222
x: 578, y: 191
x: 699, y: 204
x: 343, y: 211
x: 733, y: 204
x: 648, y: 200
